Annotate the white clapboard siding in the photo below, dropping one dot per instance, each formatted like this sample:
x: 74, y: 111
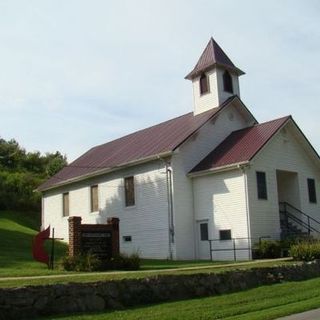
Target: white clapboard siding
x: 208, y: 100
x: 146, y: 222
x: 220, y: 199
x: 188, y: 155
x: 286, y: 151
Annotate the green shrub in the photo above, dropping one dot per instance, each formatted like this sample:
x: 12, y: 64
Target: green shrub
x: 268, y: 249
x: 295, y: 239
x: 68, y: 263
x: 305, y: 251
x: 82, y: 262
x: 89, y: 262
x: 126, y: 262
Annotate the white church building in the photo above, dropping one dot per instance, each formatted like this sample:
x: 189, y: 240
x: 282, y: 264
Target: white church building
x: 196, y: 186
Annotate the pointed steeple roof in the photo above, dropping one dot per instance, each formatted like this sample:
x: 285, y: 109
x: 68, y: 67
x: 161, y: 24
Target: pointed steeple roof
x: 211, y: 56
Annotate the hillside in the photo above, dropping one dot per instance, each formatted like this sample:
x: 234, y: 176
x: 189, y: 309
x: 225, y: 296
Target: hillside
x: 17, y: 230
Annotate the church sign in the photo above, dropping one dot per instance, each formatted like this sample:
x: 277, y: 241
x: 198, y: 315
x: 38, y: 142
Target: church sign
x: 98, y: 243
x: 102, y: 240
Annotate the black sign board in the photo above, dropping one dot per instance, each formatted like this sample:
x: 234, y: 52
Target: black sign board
x: 98, y: 243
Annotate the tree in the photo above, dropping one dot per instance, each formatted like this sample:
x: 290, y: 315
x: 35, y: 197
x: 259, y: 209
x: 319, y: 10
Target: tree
x: 22, y: 172
x: 55, y: 163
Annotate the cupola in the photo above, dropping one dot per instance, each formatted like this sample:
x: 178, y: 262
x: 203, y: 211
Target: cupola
x: 214, y: 78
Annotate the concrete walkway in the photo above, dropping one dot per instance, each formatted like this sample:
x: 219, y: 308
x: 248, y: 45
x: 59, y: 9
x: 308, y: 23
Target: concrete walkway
x: 88, y: 274
x: 309, y: 315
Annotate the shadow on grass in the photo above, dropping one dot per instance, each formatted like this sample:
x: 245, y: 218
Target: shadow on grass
x: 31, y: 220
x: 16, y: 253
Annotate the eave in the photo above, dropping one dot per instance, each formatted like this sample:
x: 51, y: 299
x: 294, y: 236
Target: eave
x: 228, y: 167
x: 107, y: 170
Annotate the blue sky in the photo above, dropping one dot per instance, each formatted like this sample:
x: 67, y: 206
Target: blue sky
x: 75, y: 74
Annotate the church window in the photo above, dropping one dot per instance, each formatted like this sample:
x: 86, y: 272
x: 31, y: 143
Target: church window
x: 204, y: 233
x: 65, y: 204
x: 312, y: 190
x: 94, y: 198
x: 204, y: 84
x: 129, y: 191
x: 225, y: 234
x: 262, y: 185
x: 227, y: 82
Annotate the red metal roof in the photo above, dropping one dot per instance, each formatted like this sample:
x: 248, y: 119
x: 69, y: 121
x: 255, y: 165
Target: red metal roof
x: 161, y: 138
x: 212, y: 55
x: 241, y: 145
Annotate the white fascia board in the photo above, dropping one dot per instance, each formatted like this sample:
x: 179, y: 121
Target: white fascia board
x: 228, y: 167
x: 108, y: 170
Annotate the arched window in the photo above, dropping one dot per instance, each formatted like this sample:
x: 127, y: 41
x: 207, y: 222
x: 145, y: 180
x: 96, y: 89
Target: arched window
x: 204, y: 84
x: 227, y: 82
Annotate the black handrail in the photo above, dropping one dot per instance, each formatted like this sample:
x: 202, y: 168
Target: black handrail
x: 301, y: 222
x: 307, y: 225
x: 304, y: 214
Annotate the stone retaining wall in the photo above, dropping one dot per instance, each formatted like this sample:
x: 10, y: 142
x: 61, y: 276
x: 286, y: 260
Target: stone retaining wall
x: 34, y: 301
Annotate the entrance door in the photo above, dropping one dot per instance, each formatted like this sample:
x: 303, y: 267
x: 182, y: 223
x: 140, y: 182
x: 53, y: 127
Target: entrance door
x: 203, y: 237
x: 288, y: 187
x: 288, y: 192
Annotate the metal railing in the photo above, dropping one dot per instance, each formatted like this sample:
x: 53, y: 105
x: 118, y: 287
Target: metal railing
x: 298, y: 218
x: 234, y: 245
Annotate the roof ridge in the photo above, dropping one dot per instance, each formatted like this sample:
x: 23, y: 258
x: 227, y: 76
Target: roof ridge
x: 160, y: 138
x: 162, y: 123
x: 262, y: 123
x: 277, y: 119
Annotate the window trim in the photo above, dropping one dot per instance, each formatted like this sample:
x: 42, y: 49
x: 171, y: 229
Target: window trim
x: 91, y: 198
x: 262, y: 194
x: 63, y: 204
x: 204, y: 76
x: 312, y: 190
x: 126, y: 202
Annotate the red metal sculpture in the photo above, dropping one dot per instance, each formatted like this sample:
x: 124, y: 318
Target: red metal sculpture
x: 38, y: 250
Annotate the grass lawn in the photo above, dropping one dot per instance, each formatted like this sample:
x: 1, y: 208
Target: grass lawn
x: 263, y: 303
x: 18, y: 229
x: 16, y: 233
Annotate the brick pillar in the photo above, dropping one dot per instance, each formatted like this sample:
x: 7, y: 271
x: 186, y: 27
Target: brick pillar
x: 115, y: 235
x: 74, y: 236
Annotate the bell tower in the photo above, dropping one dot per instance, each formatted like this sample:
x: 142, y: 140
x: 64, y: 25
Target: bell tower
x: 214, y: 79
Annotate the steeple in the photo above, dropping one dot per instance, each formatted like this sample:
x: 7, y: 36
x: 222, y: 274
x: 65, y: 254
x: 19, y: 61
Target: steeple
x: 214, y: 78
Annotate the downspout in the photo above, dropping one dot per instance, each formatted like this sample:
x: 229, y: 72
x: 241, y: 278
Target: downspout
x: 170, y: 207
x: 195, y: 248
x: 245, y: 177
